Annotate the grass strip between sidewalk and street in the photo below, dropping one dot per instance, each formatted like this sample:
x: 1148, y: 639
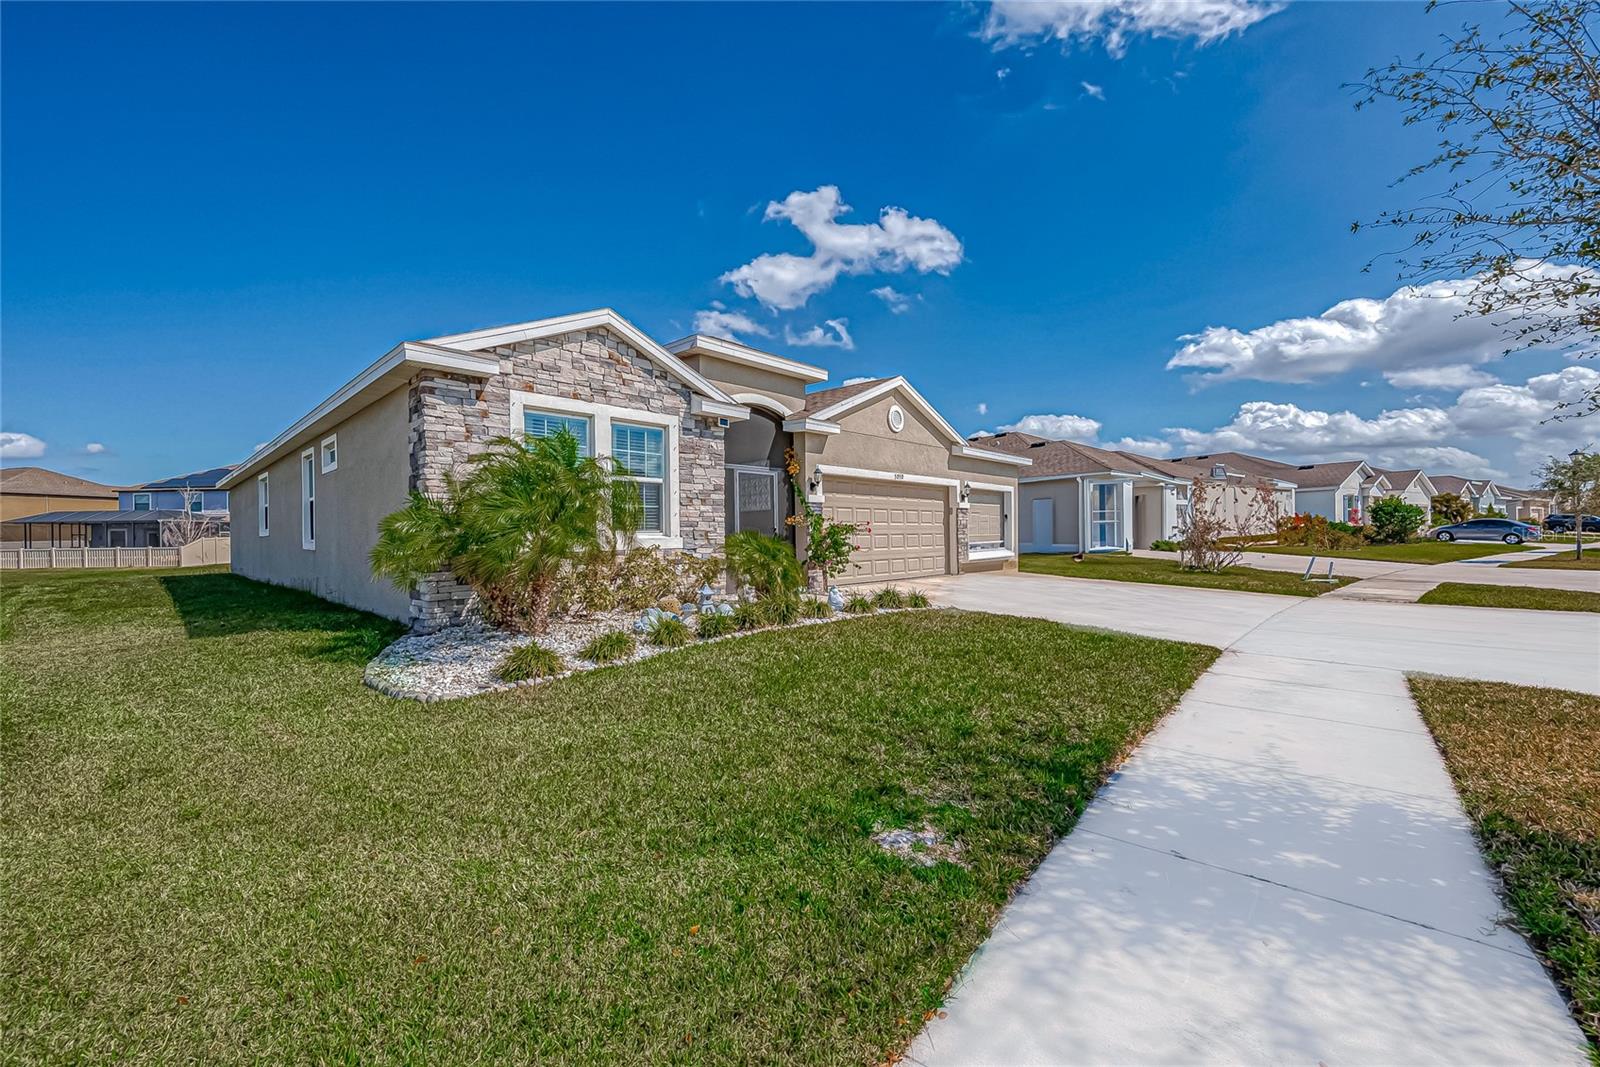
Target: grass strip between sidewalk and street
x: 1533, y: 598
x: 1526, y: 762
x: 1410, y: 552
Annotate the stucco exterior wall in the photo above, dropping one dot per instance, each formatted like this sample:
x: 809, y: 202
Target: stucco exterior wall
x: 740, y: 378
x: 372, y: 479
x: 1063, y: 496
x: 1322, y: 502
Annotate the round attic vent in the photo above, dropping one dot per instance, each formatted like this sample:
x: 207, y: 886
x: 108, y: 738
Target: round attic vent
x: 897, y: 418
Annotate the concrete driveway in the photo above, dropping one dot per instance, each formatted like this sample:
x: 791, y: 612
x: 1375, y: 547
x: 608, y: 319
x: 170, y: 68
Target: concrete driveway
x: 1282, y: 872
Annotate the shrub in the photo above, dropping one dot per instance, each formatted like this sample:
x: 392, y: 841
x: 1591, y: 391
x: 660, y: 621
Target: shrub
x: 766, y: 564
x: 671, y: 605
x: 696, y: 571
x: 710, y: 624
x: 1394, y: 521
x: 1314, y: 531
x: 1450, y: 508
x: 889, y: 597
x: 530, y: 661
x: 644, y: 576
x: 778, y: 610
x: 917, y: 599
x: 859, y: 604
x: 1163, y: 545
x: 670, y: 633
x: 609, y: 647
x: 748, y: 616
x: 815, y: 608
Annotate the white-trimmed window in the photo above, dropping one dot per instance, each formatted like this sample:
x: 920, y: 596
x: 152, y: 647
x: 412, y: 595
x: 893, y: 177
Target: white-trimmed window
x: 646, y: 442
x: 549, y: 423
x: 263, y: 505
x: 642, y: 450
x: 141, y: 502
x: 197, y: 501
x: 308, y: 498
x: 330, y: 453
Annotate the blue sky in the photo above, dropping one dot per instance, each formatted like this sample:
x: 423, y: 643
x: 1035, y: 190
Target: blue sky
x: 215, y: 215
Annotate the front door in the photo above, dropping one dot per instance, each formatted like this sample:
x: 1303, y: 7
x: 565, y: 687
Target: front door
x: 755, y: 500
x: 1105, y: 515
x: 1044, y: 522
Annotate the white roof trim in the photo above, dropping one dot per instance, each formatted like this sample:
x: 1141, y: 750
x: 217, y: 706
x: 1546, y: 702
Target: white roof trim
x: 496, y: 336
x: 866, y: 396
x: 811, y: 424
x: 406, y: 356
x: 735, y: 352
x: 765, y: 402
x: 699, y: 405
x: 996, y: 457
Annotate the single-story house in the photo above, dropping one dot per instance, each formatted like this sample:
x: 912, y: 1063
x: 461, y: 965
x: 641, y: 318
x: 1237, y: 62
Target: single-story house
x: 1080, y: 498
x: 30, y: 491
x: 1412, y: 486
x: 1529, y: 505
x: 702, y: 423
x: 1481, y: 493
x: 1341, y: 491
x: 197, y: 492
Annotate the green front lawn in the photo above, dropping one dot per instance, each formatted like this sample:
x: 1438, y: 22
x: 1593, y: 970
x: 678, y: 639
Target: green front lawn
x: 1511, y: 596
x: 1121, y: 567
x: 220, y: 847
x: 1527, y: 764
x: 1564, y: 561
x: 1411, y: 552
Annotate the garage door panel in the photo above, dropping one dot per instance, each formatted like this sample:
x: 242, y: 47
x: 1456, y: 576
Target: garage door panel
x: 909, y: 535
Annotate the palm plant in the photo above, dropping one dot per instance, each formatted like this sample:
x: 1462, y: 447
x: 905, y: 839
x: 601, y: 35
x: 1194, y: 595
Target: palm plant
x: 526, y: 509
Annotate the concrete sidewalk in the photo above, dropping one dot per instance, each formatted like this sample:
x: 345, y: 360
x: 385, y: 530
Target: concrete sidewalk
x: 1282, y: 871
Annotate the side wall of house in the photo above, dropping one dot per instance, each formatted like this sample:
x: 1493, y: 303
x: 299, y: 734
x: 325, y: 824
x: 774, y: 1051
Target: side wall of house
x: 450, y: 419
x: 1317, y: 502
x: 1063, y: 497
x: 371, y: 480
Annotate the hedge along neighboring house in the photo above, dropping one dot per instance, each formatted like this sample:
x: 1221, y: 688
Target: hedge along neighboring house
x: 30, y: 491
x: 196, y: 492
x: 1079, y: 498
x: 702, y: 425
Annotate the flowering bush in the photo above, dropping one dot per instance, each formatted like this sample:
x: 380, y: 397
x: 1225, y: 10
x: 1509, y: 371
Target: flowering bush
x: 1314, y: 531
x: 829, y: 544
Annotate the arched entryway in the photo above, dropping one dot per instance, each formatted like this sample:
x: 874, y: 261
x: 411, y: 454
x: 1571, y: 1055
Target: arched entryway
x: 757, y: 491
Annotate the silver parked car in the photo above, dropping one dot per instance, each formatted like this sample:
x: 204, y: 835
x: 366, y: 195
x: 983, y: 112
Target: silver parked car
x: 1511, y: 531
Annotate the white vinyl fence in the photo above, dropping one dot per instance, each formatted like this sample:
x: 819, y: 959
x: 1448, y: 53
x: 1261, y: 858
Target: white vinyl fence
x: 201, y: 552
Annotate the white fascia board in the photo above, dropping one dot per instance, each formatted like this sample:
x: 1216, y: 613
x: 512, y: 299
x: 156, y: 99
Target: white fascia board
x: 496, y: 336
x: 399, y: 362
x: 829, y: 470
x: 734, y: 352
x: 699, y: 405
x: 867, y: 396
x: 810, y: 424
x: 996, y: 457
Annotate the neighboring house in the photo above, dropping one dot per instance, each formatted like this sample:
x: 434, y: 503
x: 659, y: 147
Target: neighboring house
x: 1412, y: 486
x: 145, y: 528
x: 1079, y: 498
x: 1481, y: 493
x: 29, y: 491
x: 1529, y: 505
x: 702, y: 423
x: 1343, y: 491
x: 192, y: 492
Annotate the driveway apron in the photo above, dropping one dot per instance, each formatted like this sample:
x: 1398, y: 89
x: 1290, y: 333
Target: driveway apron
x: 1282, y: 872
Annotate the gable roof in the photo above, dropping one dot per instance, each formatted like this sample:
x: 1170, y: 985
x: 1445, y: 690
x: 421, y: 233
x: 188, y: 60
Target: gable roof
x: 599, y: 318
x: 1304, y: 475
x: 1056, y: 458
x: 39, y: 481
x: 820, y: 400
x: 206, y: 479
x: 1454, y: 483
x: 736, y: 352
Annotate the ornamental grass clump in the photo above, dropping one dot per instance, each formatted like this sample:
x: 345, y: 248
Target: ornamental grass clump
x: 711, y: 624
x: 670, y: 633
x: 917, y: 599
x: 859, y: 604
x: 778, y: 610
x: 531, y: 661
x: 889, y: 598
x: 815, y: 608
x: 748, y: 615
x: 609, y: 647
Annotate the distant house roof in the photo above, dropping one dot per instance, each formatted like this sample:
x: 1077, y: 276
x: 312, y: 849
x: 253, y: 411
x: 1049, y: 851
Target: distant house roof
x: 1452, y: 483
x: 822, y: 399
x: 1303, y: 475
x: 1525, y: 494
x: 94, y: 518
x: 1052, y: 457
x: 206, y: 479
x: 41, y: 482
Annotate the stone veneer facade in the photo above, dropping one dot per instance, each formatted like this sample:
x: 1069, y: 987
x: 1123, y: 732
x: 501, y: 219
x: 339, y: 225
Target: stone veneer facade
x: 454, y: 418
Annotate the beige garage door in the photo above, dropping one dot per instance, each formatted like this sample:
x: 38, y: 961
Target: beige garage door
x: 907, y: 539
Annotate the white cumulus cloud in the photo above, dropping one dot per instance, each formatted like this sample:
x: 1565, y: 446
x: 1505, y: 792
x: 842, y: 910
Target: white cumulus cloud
x: 834, y: 333
x: 721, y: 323
x: 20, y: 446
x: 1078, y: 428
x: 983, y: 409
x: 1012, y: 23
x: 1414, y: 328
x: 1091, y: 89
x: 859, y: 379
x: 897, y: 302
x: 1449, y: 376
x: 896, y: 243
x: 94, y: 448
